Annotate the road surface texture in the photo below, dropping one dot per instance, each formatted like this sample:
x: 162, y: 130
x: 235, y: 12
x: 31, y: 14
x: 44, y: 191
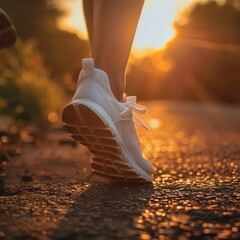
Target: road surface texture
x: 49, y: 191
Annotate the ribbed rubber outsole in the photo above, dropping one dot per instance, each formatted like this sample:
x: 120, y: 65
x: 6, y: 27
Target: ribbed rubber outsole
x: 85, y: 126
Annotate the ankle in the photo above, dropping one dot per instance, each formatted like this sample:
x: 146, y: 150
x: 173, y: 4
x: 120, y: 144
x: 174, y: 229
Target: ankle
x: 116, y: 77
x: 118, y: 95
x: 117, y: 86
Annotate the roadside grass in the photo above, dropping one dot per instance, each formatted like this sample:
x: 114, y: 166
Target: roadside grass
x: 27, y: 91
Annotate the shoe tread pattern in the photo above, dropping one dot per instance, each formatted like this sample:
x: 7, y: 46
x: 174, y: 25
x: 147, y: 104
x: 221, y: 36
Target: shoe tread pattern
x: 86, y: 127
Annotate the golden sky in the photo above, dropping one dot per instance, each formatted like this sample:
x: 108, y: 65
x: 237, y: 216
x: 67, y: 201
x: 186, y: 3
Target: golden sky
x: 155, y: 27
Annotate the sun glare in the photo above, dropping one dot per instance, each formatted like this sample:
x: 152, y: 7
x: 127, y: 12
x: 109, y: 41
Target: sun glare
x: 155, y: 27
x: 73, y: 21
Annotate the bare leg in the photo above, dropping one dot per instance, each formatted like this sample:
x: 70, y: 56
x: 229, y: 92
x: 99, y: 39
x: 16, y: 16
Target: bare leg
x: 114, y: 25
x: 111, y: 28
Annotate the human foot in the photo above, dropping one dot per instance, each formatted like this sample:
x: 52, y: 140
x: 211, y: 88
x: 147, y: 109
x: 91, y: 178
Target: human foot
x: 97, y: 120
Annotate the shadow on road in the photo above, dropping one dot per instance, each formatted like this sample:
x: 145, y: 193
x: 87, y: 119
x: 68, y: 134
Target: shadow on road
x: 103, y: 211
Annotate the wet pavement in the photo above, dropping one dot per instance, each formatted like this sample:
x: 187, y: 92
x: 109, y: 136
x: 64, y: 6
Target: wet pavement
x: 49, y: 191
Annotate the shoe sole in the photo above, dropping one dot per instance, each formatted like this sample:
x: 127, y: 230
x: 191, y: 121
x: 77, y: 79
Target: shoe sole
x: 89, y: 124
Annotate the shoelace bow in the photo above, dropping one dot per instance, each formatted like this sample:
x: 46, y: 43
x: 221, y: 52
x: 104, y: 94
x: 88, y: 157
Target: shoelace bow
x: 135, y: 107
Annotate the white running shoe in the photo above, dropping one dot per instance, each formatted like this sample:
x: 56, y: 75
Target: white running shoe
x: 97, y: 120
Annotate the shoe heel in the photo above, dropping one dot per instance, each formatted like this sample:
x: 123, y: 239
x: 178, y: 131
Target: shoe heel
x: 85, y: 126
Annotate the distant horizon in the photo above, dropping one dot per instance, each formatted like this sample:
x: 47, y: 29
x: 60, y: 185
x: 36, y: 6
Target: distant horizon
x: 148, y: 38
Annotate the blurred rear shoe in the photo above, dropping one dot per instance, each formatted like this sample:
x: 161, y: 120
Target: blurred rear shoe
x: 97, y: 120
x: 7, y: 31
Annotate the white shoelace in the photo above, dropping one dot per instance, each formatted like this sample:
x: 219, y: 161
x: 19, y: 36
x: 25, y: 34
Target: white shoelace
x: 131, y: 104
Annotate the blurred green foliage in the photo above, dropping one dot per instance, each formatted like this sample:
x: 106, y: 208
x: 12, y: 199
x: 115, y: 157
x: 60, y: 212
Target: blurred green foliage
x: 37, y: 19
x: 26, y: 90
x: 33, y: 73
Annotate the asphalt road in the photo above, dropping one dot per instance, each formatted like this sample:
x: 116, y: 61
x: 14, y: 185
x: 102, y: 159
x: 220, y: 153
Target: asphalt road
x: 50, y: 192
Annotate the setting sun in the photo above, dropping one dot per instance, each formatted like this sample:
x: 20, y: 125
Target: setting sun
x: 155, y: 27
